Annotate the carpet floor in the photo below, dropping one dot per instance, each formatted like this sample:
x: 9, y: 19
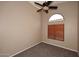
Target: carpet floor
x: 46, y: 50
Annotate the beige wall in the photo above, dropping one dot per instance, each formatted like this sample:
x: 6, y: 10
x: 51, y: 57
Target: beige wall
x: 20, y: 27
x: 78, y: 28
x: 70, y: 12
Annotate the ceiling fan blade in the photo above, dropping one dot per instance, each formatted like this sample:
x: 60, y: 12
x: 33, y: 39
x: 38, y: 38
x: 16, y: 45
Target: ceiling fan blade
x: 38, y: 4
x: 48, y: 3
x: 39, y: 10
x: 46, y: 11
x: 53, y: 7
x: 44, y: 4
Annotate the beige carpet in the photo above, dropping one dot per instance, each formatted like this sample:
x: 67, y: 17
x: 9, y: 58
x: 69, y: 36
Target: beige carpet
x: 46, y: 50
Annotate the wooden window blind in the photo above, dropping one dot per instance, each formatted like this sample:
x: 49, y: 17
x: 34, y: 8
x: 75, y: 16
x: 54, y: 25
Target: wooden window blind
x: 56, y: 32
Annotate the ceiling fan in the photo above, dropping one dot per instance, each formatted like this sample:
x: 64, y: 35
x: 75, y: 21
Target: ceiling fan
x: 46, y: 6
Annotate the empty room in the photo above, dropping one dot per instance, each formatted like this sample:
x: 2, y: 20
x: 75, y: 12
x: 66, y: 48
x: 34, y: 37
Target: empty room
x: 39, y: 28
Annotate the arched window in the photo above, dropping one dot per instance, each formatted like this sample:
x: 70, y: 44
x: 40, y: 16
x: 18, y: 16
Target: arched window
x: 56, y: 27
x: 56, y: 17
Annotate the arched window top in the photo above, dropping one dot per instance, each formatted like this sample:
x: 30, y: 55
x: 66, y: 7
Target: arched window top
x: 56, y: 17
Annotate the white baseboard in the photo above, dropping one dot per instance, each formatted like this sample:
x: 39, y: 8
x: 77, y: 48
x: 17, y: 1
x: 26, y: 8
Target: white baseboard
x: 25, y: 49
x: 61, y: 46
x: 46, y: 43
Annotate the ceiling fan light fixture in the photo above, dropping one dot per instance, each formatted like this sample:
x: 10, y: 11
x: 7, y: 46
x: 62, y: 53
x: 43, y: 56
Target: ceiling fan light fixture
x: 45, y: 8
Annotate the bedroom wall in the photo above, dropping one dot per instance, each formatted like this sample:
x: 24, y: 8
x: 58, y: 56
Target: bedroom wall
x: 70, y: 12
x: 20, y: 27
x: 78, y: 28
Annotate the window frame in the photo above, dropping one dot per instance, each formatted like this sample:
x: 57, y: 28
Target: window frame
x: 56, y: 20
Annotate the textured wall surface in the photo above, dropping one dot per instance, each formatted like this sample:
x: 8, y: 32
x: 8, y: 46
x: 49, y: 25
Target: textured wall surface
x: 20, y: 27
x: 70, y: 12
